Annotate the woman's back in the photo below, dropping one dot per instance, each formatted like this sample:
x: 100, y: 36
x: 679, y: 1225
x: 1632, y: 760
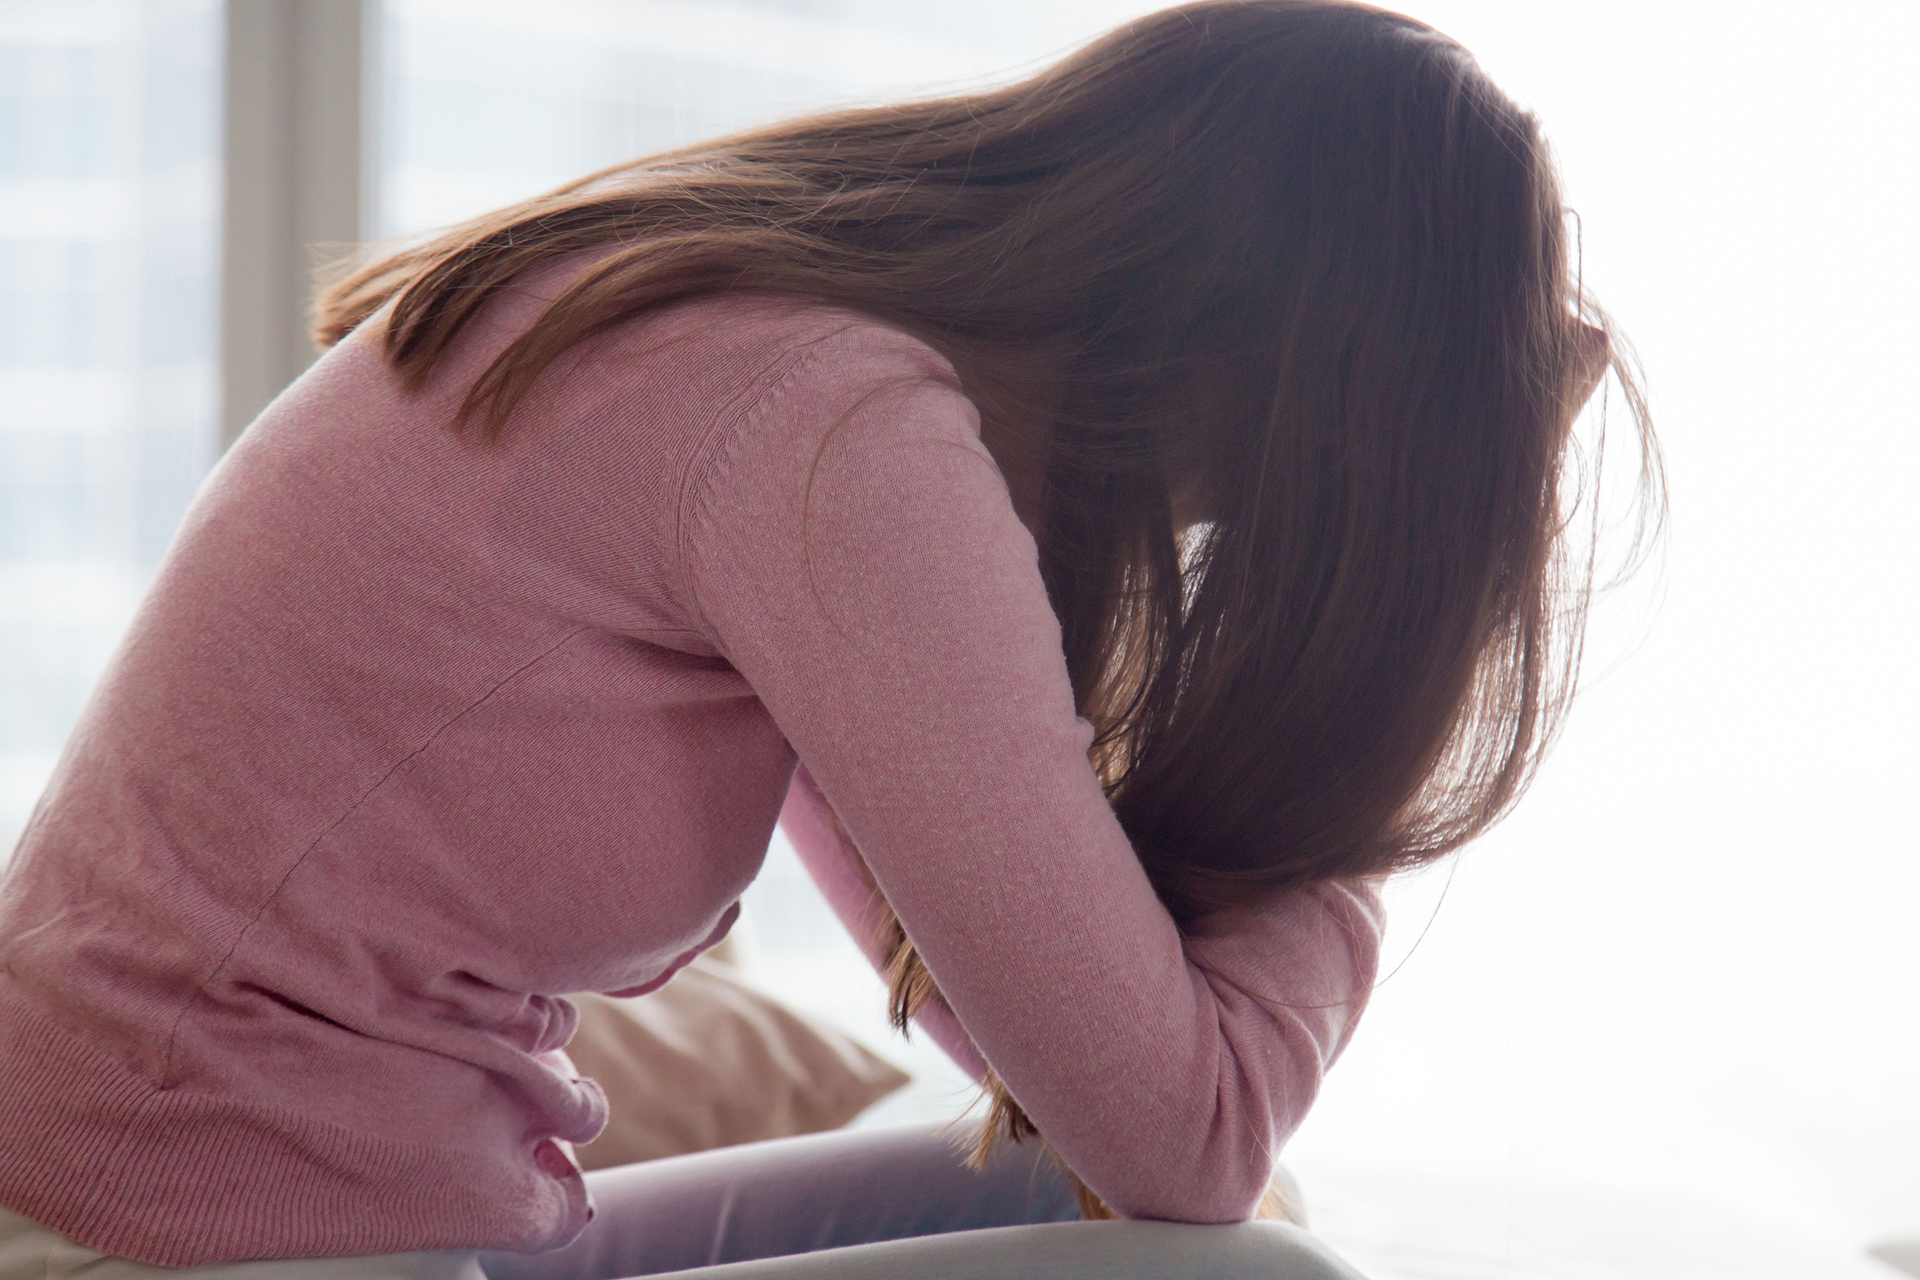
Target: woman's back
x: 412, y: 735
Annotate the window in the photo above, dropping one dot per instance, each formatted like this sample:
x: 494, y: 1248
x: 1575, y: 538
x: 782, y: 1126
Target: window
x: 487, y: 102
x: 109, y: 261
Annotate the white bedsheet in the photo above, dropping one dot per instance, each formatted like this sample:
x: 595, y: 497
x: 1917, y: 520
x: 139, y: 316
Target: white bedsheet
x: 1430, y: 1226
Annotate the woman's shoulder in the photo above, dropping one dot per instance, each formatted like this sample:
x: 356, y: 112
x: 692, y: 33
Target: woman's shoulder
x: 765, y: 388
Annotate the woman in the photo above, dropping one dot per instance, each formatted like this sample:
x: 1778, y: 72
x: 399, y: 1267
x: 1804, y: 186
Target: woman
x: 1132, y: 501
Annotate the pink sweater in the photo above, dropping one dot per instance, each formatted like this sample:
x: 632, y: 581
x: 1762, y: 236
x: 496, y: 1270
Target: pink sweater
x: 415, y: 733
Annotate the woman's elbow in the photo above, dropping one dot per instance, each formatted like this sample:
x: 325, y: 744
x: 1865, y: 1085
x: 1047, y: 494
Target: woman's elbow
x: 1223, y: 1180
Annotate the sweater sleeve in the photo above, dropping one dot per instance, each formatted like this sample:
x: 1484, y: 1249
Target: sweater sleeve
x: 848, y: 887
x: 853, y: 552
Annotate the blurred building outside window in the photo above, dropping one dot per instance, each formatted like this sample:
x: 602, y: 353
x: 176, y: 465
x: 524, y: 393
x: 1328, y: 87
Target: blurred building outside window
x: 109, y: 261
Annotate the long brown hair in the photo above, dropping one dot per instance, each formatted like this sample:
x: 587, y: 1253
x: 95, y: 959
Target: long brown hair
x: 1299, y: 262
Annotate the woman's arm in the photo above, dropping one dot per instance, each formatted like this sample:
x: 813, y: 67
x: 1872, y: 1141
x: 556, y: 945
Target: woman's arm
x: 853, y: 552
x: 850, y: 890
x: 1236, y: 947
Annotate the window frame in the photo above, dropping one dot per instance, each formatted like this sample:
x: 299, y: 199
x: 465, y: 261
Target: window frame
x: 300, y: 80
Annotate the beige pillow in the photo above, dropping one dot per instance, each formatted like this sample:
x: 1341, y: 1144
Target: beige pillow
x: 707, y: 1061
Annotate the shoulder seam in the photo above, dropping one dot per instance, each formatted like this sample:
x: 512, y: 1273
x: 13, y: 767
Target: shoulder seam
x: 765, y: 389
x: 700, y: 459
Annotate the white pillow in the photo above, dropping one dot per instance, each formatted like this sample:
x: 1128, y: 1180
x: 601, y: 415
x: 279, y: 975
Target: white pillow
x: 707, y: 1061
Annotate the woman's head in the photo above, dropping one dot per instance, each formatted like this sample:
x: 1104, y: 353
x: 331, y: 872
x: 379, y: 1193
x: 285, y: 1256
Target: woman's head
x: 1295, y: 266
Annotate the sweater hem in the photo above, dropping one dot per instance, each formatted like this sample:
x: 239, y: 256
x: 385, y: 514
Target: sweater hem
x: 178, y: 1177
